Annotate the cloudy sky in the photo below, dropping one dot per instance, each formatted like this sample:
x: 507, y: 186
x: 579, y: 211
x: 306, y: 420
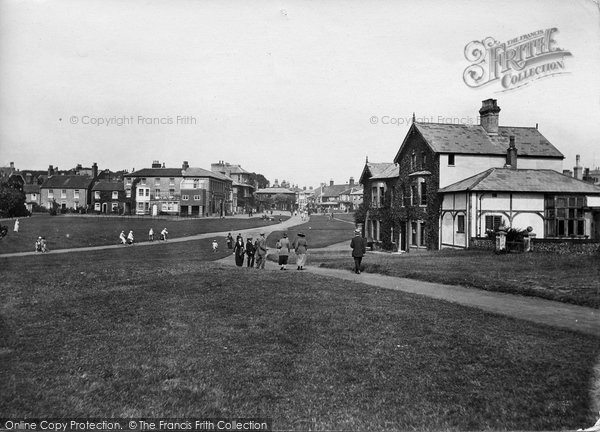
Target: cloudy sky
x: 296, y: 90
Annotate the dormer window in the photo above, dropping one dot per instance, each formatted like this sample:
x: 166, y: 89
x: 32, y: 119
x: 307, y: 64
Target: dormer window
x: 450, y: 159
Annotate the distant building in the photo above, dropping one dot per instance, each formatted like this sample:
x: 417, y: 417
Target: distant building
x: 275, y: 198
x: 242, y: 198
x: 109, y: 197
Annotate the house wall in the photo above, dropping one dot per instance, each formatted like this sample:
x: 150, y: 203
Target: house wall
x: 453, y: 206
x: 469, y: 165
x: 70, y: 200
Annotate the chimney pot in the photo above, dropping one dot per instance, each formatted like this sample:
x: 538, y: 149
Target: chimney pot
x: 577, y: 169
x: 511, y: 153
x: 330, y: 182
x: 489, y: 116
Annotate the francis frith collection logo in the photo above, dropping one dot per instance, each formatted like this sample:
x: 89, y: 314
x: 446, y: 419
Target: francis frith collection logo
x: 514, y: 63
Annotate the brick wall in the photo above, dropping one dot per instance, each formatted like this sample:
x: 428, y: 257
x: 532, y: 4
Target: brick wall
x: 482, y: 243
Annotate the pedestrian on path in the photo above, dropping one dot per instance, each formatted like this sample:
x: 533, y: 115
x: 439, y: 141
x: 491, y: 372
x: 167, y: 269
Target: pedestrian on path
x: 130, y: 238
x: 238, y: 251
x: 283, y: 246
x: 122, y: 237
x: 359, y: 248
x: 261, y: 251
x: 164, y: 233
x: 151, y: 235
x: 300, y: 247
x: 250, y: 249
x: 229, y: 241
x: 16, y: 228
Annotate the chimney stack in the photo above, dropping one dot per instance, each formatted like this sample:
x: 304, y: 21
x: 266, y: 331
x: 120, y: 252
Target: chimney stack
x: 155, y: 164
x: 12, y: 165
x: 577, y: 169
x: 568, y: 173
x: 351, y: 181
x: 330, y: 182
x: 185, y: 165
x: 511, y: 154
x: 488, y: 116
x: 94, y: 170
x: 50, y: 170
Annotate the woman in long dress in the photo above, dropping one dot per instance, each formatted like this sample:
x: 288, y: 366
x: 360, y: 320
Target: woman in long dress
x: 300, y: 247
x: 238, y: 251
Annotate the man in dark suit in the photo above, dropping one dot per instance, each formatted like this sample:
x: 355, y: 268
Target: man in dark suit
x: 359, y: 248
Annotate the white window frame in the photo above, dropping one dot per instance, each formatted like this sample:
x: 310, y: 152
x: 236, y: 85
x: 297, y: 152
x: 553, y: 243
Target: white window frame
x: 96, y: 194
x: 115, y: 194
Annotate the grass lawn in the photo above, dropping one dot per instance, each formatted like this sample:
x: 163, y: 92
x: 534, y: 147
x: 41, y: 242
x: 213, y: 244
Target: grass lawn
x: 71, y: 231
x: 163, y: 332
x: 344, y: 216
x: 319, y: 231
x: 567, y: 278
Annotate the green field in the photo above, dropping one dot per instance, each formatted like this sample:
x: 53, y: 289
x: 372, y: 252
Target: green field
x: 71, y: 231
x: 164, y: 332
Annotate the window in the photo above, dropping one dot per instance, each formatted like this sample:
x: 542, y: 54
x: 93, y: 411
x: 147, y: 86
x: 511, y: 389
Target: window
x: 381, y: 195
x: 63, y: 193
x: 565, y: 216
x: 172, y: 181
x: 171, y: 192
x: 185, y: 197
x: 423, y: 160
x: 492, y: 222
x: 33, y: 196
x: 127, y: 193
x: 114, y: 206
x: 76, y: 194
x: 97, y: 206
x: 115, y: 195
x: 128, y: 180
x: 143, y: 181
x: 140, y: 206
x: 413, y: 195
x: 450, y: 160
x: 157, y: 192
x: 422, y: 234
x: 460, y: 224
x: 147, y: 192
x: 413, y: 161
x: 157, y: 181
x: 96, y: 194
x: 196, y: 197
x: 423, y: 193
x: 50, y: 193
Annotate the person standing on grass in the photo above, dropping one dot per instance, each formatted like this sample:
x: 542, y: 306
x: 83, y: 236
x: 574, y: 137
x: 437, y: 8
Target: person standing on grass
x: 16, y: 228
x: 359, y: 248
x: 122, y: 237
x: 229, y: 241
x: 238, y: 251
x: 151, y: 235
x: 261, y: 251
x: 164, y: 233
x: 130, y: 237
x: 283, y: 245
x: 300, y: 247
x: 250, y: 249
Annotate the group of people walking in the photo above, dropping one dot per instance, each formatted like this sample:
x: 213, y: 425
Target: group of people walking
x: 129, y: 238
x: 256, y: 252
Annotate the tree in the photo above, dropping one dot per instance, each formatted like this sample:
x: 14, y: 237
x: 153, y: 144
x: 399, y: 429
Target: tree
x: 283, y: 202
x: 259, y: 179
x: 12, y: 201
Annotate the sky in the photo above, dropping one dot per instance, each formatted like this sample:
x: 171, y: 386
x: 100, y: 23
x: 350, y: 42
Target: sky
x: 302, y: 91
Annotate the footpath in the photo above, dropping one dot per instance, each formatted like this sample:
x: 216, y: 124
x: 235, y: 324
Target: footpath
x: 534, y: 309
x: 556, y: 314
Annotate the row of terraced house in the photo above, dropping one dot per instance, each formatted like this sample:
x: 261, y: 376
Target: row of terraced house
x: 451, y: 184
x: 186, y: 191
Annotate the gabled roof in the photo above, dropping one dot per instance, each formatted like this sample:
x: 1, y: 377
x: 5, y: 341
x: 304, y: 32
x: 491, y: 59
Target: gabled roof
x: 473, y: 139
x: 333, y: 191
x: 201, y: 172
x: 108, y: 186
x: 376, y: 170
x: 275, y: 190
x: 522, y: 180
x: 156, y: 172
x: 67, y: 182
x: 31, y: 188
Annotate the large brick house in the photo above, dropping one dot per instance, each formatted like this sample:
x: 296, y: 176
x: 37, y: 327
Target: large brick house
x: 109, y: 197
x: 242, y: 191
x: 436, y: 155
